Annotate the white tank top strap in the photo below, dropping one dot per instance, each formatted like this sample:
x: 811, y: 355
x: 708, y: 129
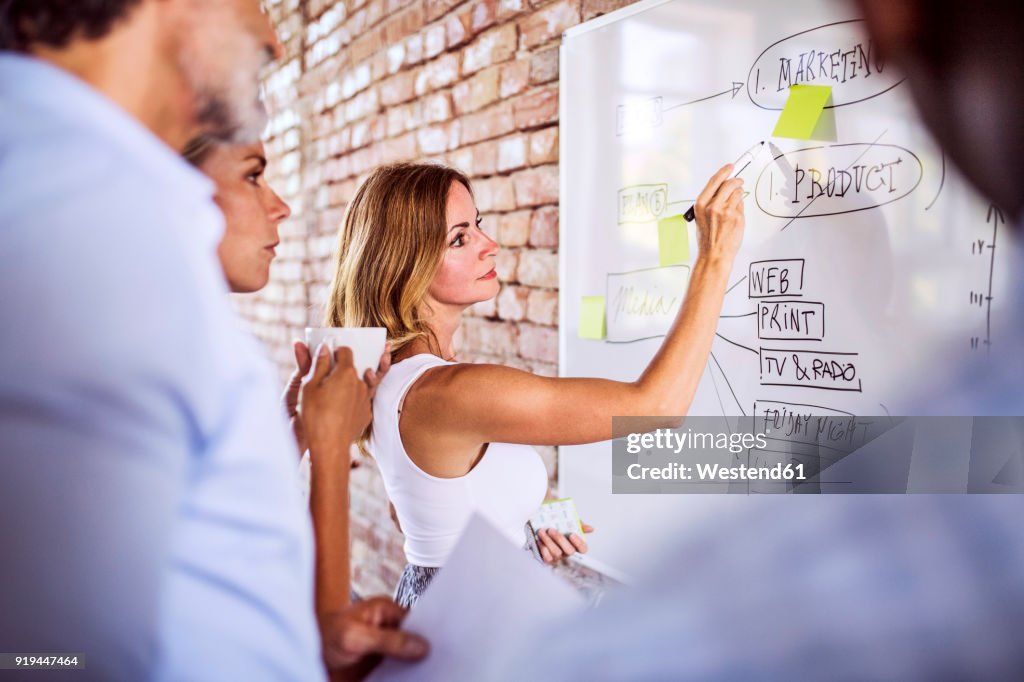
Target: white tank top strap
x: 390, y: 398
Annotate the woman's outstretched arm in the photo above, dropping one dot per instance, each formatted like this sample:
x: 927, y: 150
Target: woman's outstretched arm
x: 462, y: 406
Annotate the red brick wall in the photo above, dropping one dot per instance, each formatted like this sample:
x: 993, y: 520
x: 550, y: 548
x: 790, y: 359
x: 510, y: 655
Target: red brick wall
x: 473, y: 83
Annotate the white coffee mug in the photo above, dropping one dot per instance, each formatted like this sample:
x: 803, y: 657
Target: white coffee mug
x: 367, y: 343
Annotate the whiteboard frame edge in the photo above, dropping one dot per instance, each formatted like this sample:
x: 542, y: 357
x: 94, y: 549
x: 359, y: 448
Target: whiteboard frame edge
x: 611, y: 17
x: 562, y: 180
x: 564, y: 218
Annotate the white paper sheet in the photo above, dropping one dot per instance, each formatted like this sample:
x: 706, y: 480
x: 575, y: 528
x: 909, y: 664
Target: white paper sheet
x: 489, y: 597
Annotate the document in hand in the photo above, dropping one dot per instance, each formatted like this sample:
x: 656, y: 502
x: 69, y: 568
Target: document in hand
x: 486, y: 601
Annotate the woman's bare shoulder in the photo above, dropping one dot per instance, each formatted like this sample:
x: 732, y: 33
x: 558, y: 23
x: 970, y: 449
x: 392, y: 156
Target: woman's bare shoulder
x: 463, y: 381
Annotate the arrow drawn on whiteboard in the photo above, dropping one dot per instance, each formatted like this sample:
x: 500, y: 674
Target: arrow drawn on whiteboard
x: 998, y: 213
x: 808, y: 204
x: 739, y: 345
x: 736, y: 87
x: 729, y: 385
x: 718, y: 393
x: 739, y: 282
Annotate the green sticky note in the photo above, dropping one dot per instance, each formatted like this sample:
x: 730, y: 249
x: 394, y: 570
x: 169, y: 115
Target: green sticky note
x: 802, y: 111
x: 673, y: 241
x: 592, y: 317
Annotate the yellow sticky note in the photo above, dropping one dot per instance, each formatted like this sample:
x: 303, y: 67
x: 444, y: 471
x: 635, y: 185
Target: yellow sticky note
x: 673, y: 241
x: 802, y: 111
x: 592, y: 317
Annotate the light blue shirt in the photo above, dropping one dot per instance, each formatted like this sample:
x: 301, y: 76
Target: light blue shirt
x: 150, y: 516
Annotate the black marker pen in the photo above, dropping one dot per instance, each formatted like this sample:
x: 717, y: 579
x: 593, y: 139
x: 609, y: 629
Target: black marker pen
x: 741, y: 164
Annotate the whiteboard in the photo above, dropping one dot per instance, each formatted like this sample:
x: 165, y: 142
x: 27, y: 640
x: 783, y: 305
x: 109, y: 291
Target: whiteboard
x: 864, y: 251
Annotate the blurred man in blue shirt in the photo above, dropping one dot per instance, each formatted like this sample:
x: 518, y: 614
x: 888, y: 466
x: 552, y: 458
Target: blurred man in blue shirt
x: 151, y: 520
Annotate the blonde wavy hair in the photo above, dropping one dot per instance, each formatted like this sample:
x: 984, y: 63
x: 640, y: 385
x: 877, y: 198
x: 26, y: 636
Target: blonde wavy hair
x: 390, y: 247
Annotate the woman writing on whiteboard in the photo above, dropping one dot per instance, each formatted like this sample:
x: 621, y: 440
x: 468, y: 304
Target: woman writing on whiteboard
x: 452, y: 438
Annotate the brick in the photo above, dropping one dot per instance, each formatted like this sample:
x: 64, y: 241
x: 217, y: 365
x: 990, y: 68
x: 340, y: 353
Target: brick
x: 511, y: 302
x: 515, y: 76
x: 458, y: 28
x: 485, y: 158
x: 356, y: 80
x: 362, y: 105
x: 331, y: 96
x: 536, y: 186
x: 595, y: 8
x: 437, y: 74
x: 435, y: 40
x: 514, y: 228
x: 548, y: 23
x: 397, y: 89
x: 544, y: 227
x: 323, y: 24
x: 392, y: 6
x: 437, y: 107
x: 439, y: 8
x: 536, y: 108
x: 459, y: 342
x: 483, y: 14
x: 507, y: 265
x: 395, y: 56
x: 379, y: 66
x: 414, y: 49
x: 507, y: 9
x: 378, y: 128
x: 488, y: 308
x: 489, y: 123
x: 365, y: 45
x: 511, y: 153
x: 538, y: 268
x: 544, y: 67
x: 337, y: 196
x: 361, y: 134
x: 364, y: 160
x: 542, y: 307
x: 492, y: 47
x: 294, y: 317
x: 404, y: 24
x: 544, y: 146
x: 476, y: 92
x: 480, y: 333
x: 396, y: 149
x: 439, y: 138
x: 494, y: 194
x: 374, y: 12
x: 462, y: 160
x: 538, y: 343
x: 403, y: 118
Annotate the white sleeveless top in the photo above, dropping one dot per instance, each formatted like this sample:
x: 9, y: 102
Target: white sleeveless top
x: 506, y: 486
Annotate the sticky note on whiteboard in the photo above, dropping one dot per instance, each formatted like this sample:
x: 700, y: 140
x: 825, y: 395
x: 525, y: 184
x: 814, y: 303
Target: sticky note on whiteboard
x: 802, y: 111
x: 592, y: 323
x: 673, y: 241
